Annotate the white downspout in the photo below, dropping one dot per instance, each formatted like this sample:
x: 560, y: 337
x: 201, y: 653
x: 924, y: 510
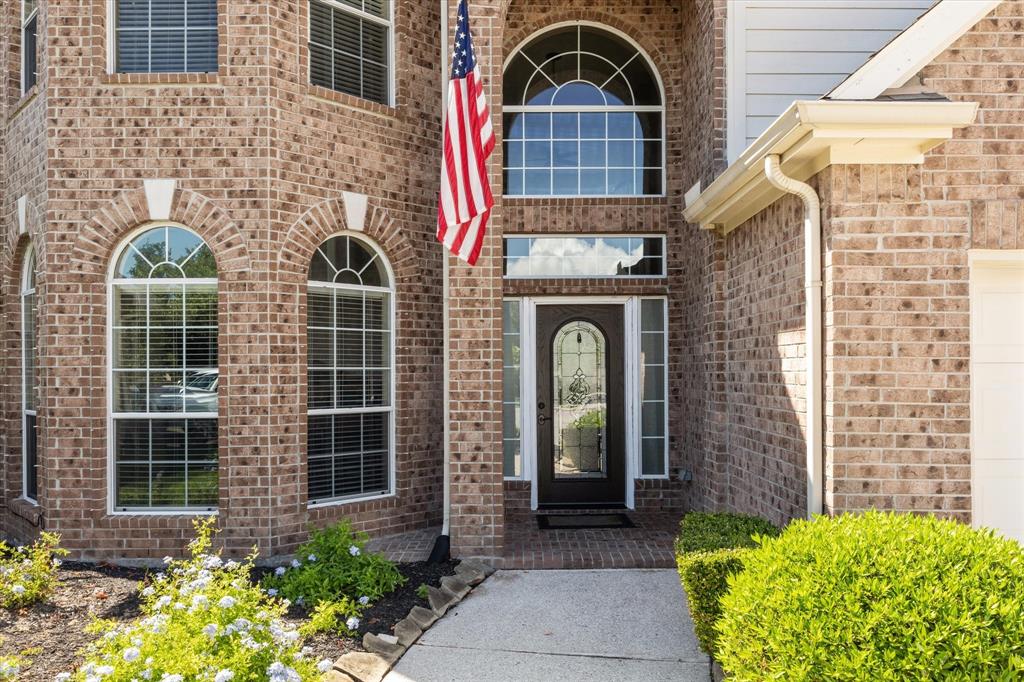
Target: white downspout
x: 445, y: 363
x: 812, y: 307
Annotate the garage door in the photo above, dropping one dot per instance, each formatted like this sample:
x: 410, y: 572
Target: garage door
x: 997, y: 390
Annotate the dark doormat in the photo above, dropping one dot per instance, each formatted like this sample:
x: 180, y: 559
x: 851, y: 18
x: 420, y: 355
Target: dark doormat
x: 576, y: 521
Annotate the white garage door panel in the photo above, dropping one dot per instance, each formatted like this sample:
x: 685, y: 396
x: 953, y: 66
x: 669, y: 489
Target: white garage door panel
x: 997, y: 391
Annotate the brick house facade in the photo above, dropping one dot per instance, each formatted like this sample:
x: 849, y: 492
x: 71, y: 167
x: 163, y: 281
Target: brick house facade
x: 265, y: 167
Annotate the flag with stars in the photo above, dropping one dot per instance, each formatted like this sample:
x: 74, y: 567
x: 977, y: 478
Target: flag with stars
x: 466, y: 200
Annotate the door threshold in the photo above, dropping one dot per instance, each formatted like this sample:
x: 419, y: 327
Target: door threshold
x: 579, y: 506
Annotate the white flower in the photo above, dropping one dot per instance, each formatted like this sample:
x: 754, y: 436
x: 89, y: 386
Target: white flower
x: 311, y: 557
x: 162, y: 602
x: 354, y: 551
x: 9, y: 669
x: 18, y: 589
x: 352, y: 623
x: 105, y: 670
x: 57, y: 563
x: 200, y: 601
x: 242, y: 625
x: 148, y: 592
x: 295, y: 563
x: 272, y: 592
x: 211, y: 630
x: 231, y: 565
x: 130, y: 654
x: 147, y: 674
x: 364, y: 600
x: 224, y: 676
x: 280, y: 570
x: 168, y: 559
x: 324, y: 665
x: 212, y: 562
x: 171, y: 678
x: 62, y: 677
x: 226, y: 602
x: 93, y: 678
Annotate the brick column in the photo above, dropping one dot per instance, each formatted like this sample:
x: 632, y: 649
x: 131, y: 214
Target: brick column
x: 475, y: 345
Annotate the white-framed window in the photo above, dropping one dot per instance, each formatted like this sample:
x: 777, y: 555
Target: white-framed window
x: 29, y: 379
x: 584, y: 116
x: 653, y: 388
x: 350, y: 47
x: 511, y: 401
x: 589, y: 256
x: 350, y: 372
x: 164, y: 373
x: 163, y: 36
x: 29, y: 44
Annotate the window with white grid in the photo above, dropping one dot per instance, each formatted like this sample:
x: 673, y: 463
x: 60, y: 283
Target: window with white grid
x: 165, y: 36
x: 653, y: 388
x: 583, y: 116
x: 350, y: 47
x: 350, y: 342
x: 164, y: 373
x: 30, y: 382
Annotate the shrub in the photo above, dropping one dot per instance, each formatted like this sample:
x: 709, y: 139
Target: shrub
x: 333, y: 616
x: 334, y: 564
x: 699, y: 531
x: 877, y: 597
x: 29, y: 574
x: 202, y: 620
x: 709, y: 550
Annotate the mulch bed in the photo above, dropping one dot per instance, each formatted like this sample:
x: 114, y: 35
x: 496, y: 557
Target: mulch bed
x: 51, y: 634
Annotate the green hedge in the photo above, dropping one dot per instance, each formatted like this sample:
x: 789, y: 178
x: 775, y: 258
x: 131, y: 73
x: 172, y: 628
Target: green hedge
x: 710, y: 548
x: 876, y: 597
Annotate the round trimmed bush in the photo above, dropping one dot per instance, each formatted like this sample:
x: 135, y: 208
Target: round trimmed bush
x: 876, y: 597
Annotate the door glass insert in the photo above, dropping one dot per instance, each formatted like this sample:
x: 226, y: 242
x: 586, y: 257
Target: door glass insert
x: 580, y: 411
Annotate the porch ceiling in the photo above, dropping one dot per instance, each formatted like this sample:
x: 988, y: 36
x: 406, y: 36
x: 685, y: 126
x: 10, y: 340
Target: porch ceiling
x: 811, y: 135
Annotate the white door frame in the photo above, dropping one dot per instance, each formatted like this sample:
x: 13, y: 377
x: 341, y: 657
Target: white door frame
x: 528, y: 383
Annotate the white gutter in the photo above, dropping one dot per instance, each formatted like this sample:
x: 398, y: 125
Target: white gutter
x: 812, y: 308
x: 446, y: 345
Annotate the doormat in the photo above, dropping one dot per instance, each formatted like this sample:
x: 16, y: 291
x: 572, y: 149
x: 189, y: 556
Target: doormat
x: 576, y: 521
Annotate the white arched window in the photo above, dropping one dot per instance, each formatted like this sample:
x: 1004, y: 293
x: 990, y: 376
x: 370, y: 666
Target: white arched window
x: 584, y: 116
x: 350, y: 334
x: 29, y: 380
x: 164, y: 373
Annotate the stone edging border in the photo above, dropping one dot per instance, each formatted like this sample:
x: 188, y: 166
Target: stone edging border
x: 383, y: 651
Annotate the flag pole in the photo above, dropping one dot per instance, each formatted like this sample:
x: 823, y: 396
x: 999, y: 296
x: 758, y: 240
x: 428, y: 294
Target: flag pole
x: 442, y: 546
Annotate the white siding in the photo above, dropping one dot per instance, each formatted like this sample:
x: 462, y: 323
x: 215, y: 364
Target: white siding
x: 783, y: 50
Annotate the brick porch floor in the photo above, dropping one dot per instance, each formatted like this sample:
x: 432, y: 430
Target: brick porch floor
x: 648, y: 545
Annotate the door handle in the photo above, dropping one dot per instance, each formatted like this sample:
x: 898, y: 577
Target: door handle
x: 542, y: 418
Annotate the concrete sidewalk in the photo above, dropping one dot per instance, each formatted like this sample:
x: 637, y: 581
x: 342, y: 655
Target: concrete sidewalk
x: 554, y: 626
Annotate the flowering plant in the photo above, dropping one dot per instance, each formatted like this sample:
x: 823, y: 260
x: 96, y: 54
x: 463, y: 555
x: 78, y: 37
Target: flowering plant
x: 29, y: 574
x: 201, y: 620
x: 334, y: 565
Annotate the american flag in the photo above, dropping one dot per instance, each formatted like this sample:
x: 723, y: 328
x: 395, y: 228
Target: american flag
x: 466, y: 200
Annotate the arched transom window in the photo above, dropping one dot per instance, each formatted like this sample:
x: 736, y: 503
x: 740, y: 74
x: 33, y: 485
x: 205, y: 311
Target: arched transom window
x: 583, y: 116
x: 350, y: 372
x: 164, y: 373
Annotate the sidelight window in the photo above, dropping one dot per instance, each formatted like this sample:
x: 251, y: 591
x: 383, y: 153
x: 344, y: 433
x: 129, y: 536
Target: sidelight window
x: 350, y: 336
x: 30, y: 381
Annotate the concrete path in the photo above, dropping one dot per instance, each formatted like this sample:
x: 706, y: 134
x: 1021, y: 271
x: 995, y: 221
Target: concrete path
x: 555, y: 626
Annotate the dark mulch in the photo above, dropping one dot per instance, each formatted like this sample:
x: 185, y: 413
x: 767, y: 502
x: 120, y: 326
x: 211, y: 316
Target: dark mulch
x: 51, y: 634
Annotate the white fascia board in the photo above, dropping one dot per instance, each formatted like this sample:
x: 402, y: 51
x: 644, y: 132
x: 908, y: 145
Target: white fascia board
x: 912, y: 50
x: 811, y: 135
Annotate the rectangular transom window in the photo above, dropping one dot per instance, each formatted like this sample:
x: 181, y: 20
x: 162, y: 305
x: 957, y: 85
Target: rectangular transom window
x: 350, y: 47
x: 29, y: 43
x: 165, y: 36
x: 589, y: 256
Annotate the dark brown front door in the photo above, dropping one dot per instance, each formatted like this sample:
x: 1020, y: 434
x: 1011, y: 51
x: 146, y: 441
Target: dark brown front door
x: 581, y: 445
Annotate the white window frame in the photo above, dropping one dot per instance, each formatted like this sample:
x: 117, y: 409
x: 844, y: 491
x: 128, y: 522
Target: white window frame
x: 26, y: 291
x: 388, y: 24
x: 390, y: 409
x: 24, y: 23
x: 588, y: 235
x: 112, y: 43
x: 112, y: 282
x: 632, y: 395
x: 641, y: 53
x: 640, y: 399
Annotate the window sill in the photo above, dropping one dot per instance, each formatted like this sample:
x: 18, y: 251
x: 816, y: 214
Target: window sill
x: 27, y: 509
x: 183, y: 78
x: 333, y: 96
x: 184, y: 513
x: 587, y: 200
x: 348, y: 500
x: 23, y: 102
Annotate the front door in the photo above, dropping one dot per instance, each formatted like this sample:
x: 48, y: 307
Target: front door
x: 581, y: 444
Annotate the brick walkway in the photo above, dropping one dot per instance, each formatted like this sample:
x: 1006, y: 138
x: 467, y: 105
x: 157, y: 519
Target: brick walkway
x: 648, y: 545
